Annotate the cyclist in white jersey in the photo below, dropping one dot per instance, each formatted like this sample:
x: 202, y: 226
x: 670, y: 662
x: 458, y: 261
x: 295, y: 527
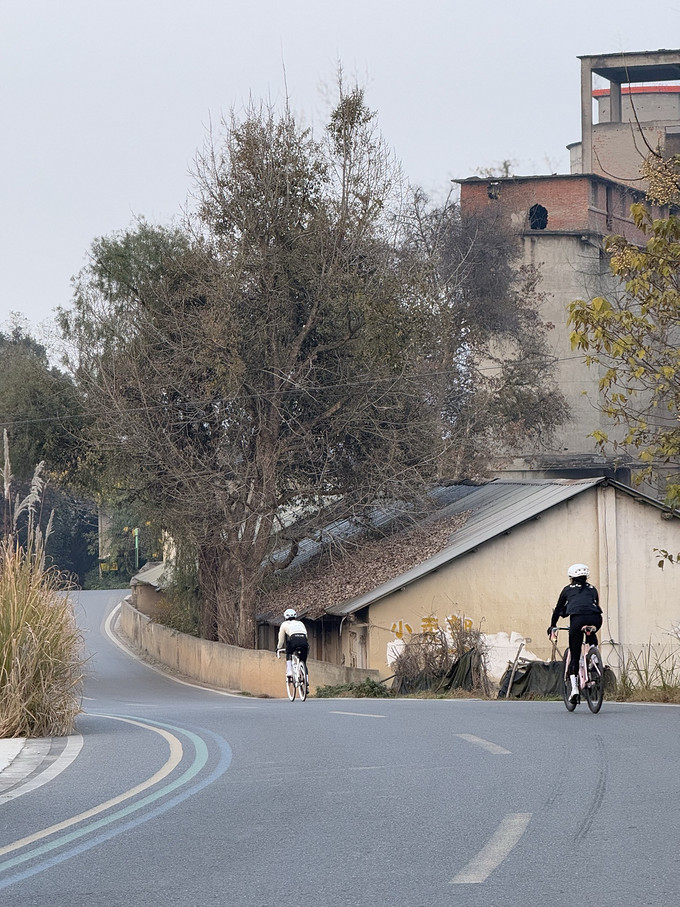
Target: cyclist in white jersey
x: 292, y: 636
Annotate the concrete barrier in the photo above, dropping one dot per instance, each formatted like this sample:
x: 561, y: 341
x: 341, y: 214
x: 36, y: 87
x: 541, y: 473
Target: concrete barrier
x: 253, y: 671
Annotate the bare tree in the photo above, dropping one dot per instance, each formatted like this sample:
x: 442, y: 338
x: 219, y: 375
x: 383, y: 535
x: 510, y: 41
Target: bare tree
x: 483, y: 341
x: 292, y: 355
x: 256, y: 367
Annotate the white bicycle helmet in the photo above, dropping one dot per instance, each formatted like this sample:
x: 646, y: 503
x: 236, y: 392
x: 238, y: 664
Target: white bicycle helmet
x: 291, y: 614
x: 577, y: 570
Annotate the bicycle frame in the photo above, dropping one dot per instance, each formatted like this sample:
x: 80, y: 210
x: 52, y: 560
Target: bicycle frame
x: 590, y: 673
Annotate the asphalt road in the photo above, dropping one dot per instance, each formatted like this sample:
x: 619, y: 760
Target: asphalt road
x: 173, y: 795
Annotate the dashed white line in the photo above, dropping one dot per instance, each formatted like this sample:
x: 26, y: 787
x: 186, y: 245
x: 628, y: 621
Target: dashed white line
x: 485, y: 744
x: 492, y: 854
x: 359, y: 714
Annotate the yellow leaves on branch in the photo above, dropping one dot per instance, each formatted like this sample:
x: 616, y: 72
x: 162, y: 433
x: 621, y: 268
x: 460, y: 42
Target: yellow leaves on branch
x: 662, y: 176
x: 633, y: 337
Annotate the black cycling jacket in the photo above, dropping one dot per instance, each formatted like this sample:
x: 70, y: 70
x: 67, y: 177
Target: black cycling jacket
x: 576, y: 599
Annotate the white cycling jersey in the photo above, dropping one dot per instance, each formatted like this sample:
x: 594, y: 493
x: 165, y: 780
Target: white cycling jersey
x: 289, y: 628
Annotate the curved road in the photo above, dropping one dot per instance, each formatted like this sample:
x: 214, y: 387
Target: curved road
x: 175, y: 795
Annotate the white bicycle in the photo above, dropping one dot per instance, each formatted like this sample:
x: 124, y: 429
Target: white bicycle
x: 298, y: 683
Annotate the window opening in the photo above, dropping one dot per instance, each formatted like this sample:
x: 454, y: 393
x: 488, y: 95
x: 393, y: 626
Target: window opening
x: 538, y: 217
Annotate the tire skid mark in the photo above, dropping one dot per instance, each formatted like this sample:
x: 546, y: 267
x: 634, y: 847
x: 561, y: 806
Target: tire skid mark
x: 598, y: 794
x: 560, y: 783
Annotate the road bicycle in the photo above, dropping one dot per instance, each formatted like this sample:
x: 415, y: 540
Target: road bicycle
x: 590, y: 675
x: 298, y: 683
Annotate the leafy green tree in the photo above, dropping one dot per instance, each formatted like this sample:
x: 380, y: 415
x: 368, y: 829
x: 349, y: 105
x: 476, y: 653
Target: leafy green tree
x: 41, y: 411
x: 635, y: 336
x: 39, y: 407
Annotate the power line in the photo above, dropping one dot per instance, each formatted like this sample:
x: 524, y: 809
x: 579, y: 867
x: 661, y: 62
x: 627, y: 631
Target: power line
x: 15, y: 423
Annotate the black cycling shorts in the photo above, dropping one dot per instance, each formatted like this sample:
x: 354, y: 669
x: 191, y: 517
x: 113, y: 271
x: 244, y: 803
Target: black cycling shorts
x: 576, y: 624
x: 297, y: 641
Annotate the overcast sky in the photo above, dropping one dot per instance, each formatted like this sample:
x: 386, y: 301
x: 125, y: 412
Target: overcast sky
x: 105, y: 102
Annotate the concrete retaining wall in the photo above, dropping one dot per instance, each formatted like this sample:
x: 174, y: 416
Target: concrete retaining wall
x: 257, y: 672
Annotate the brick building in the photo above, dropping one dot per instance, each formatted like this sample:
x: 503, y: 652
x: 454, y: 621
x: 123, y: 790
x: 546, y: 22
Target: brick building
x: 563, y: 220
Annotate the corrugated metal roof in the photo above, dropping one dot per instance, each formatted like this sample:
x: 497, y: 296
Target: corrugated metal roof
x: 150, y: 576
x: 345, y: 530
x: 495, y: 507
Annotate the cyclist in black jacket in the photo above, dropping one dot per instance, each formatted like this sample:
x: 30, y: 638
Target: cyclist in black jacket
x: 579, y: 602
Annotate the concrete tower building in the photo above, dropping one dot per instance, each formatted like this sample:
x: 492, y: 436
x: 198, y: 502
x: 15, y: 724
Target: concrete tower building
x: 563, y: 220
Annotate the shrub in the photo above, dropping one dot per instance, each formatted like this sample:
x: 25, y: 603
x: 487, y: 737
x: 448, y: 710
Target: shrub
x: 439, y: 661
x: 181, y: 606
x: 651, y: 675
x: 40, y: 665
x: 367, y: 688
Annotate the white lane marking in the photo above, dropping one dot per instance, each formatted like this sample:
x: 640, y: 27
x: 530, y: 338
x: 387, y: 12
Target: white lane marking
x: 359, y: 714
x: 492, y: 854
x: 172, y: 762
x: 73, y: 746
x: 108, y: 629
x: 485, y: 744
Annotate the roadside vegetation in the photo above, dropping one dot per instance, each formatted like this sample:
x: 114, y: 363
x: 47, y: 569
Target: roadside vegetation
x: 437, y: 664
x: 287, y: 359
x: 366, y: 689
x: 41, y: 662
x: 652, y: 675
x: 443, y: 662
x: 445, y: 666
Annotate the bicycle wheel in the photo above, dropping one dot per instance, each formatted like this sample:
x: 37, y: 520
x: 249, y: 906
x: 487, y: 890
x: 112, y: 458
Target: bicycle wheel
x: 595, y: 685
x: 290, y: 682
x: 566, y: 685
x: 302, y: 680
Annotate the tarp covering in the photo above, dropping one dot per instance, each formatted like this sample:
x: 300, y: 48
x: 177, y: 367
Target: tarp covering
x: 534, y: 680
x: 460, y: 675
x: 542, y: 680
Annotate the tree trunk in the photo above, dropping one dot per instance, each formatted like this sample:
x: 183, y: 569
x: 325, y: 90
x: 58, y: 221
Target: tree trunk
x: 219, y: 614
x: 247, y: 631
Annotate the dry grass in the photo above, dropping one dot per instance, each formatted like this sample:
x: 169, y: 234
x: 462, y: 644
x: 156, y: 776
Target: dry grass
x: 650, y: 675
x: 439, y: 662
x: 41, y: 663
x: 40, y: 645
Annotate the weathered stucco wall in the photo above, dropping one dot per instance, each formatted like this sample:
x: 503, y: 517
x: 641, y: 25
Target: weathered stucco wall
x: 148, y: 600
x: 257, y: 672
x: 649, y: 603
x: 511, y: 583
